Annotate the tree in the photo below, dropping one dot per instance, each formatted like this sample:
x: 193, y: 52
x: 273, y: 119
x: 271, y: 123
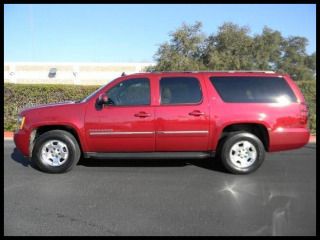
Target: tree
x: 294, y: 58
x: 267, y: 49
x: 232, y: 48
x: 184, y: 50
x: 311, y: 62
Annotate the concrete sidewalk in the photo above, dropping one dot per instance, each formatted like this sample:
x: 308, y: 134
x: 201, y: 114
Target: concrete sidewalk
x: 9, y: 136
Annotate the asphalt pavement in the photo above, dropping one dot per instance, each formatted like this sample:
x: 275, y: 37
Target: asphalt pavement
x: 163, y: 197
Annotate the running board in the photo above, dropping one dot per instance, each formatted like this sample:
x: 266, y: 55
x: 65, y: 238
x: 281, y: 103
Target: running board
x: 150, y: 155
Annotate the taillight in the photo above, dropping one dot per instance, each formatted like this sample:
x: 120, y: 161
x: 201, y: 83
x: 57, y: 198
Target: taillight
x: 304, y: 113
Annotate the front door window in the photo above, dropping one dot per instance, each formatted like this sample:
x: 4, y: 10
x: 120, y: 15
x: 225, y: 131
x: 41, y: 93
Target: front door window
x: 132, y: 92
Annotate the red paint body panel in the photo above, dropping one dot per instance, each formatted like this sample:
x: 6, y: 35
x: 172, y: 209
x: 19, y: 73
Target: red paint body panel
x: 184, y: 132
x: 288, y: 138
x: 61, y: 114
x: 21, y: 139
x: 121, y: 120
x: 169, y: 128
x: 187, y: 132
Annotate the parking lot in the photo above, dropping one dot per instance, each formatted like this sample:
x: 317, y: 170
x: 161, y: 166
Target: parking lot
x: 163, y: 197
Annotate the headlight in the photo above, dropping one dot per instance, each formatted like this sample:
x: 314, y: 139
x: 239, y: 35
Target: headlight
x: 21, y: 121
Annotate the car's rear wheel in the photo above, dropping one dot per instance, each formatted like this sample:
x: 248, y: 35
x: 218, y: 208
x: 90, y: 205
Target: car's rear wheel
x: 56, y: 151
x: 242, y: 153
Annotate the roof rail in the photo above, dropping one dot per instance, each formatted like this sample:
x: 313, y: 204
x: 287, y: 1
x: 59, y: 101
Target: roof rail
x: 217, y: 71
x: 257, y: 71
x: 175, y: 71
x: 254, y: 71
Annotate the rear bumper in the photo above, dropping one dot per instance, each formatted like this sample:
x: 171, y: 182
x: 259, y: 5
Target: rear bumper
x: 288, y: 138
x: 21, y: 139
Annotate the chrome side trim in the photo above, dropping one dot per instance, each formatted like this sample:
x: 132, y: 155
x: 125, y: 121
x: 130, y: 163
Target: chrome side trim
x: 182, y: 132
x: 118, y: 133
x: 93, y: 133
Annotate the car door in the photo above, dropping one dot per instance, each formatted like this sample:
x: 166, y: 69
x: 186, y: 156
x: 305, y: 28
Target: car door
x: 126, y: 124
x: 182, y: 115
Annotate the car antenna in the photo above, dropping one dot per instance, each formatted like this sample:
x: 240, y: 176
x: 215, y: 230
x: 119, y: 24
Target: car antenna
x: 123, y: 74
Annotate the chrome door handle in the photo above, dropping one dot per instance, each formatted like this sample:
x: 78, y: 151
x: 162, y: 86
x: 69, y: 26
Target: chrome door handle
x: 142, y: 114
x: 196, y: 113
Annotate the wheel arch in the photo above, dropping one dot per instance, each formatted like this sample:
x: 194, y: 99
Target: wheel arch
x: 260, y: 130
x: 39, y: 130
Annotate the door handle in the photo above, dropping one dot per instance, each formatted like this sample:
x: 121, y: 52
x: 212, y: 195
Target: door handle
x: 196, y: 113
x: 142, y: 114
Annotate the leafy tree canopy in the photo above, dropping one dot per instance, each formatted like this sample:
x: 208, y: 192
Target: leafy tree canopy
x: 233, y: 48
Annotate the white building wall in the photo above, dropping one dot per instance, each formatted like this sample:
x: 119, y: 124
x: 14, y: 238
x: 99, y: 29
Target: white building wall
x: 68, y: 73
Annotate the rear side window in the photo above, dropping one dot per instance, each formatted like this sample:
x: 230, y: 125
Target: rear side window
x: 180, y: 90
x: 253, y: 89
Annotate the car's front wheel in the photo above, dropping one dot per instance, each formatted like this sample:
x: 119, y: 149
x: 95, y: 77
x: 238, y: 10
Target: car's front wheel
x: 242, y: 153
x: 56, y: 151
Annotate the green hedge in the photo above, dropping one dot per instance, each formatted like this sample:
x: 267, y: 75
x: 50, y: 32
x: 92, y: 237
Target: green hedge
x: 308, y: 89
x: 17, y: 96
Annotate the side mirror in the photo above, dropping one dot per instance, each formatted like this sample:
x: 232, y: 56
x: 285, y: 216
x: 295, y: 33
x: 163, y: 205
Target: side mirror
x: 102, y: 99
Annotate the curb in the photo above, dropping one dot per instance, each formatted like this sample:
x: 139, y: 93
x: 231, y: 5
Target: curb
x: 313, y: 139
x: 9, y: 136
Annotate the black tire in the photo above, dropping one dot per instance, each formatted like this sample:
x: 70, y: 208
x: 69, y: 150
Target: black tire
x: 66, y: 138
x: 230, y: 141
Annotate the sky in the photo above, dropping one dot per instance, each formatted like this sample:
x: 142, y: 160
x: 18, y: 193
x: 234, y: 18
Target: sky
x: 133, y: 32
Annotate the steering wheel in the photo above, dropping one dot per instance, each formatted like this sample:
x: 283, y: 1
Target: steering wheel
x: 110, y: 101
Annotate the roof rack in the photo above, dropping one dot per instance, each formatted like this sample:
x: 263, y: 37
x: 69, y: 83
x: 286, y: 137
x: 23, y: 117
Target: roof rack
x: 218, y: 71
x: 229, y: 71
x: 175, y: 71
x: 254, y: 71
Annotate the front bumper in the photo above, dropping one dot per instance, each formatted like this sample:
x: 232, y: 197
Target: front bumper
x: 22, y: 139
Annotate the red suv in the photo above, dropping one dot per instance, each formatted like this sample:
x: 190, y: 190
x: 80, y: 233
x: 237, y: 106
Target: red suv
x: 237, y: 116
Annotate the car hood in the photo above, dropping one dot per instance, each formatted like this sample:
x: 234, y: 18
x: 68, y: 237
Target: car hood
x: 29, y: 108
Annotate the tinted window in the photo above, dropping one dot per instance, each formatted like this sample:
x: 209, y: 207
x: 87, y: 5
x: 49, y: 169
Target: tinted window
x: 130, y: 92
x: 180, y: 90
x: 253, y: 89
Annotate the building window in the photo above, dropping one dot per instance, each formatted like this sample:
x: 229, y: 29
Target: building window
x: 52, y: 73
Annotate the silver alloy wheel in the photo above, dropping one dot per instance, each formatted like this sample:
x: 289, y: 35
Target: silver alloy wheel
x: 54, y: 153
x: 243, y: 154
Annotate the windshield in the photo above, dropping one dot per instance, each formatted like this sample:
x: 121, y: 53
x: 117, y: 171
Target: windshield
x: 92, y: 94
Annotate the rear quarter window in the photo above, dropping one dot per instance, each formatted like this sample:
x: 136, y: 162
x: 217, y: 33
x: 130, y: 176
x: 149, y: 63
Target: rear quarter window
x: 253, y: 89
